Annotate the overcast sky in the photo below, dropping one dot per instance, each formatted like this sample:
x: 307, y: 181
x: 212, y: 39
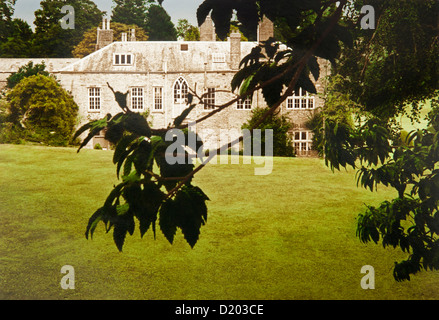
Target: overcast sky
x: 177, y: 9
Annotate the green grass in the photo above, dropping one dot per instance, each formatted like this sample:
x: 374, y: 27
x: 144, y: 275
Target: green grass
x: 288, y: 235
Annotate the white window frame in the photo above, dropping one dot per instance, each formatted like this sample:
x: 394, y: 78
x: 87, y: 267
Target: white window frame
x: 137, y: 98
x: 209, y: 99
x: 302, y: 141
x: 244, y: 104
x: 118, y: 57
x: 301, y: 101
x: 94, y: 99
x: 181, y: 91
x: 157, y: 98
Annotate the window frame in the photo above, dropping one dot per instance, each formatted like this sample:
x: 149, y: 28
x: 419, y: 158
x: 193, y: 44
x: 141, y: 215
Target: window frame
x: 94, y: 97
x: 157, y: 99
x: 301, y: 138
x: 209, y: 99
x: 180, y: 91
x: 118, y: 57
x: 301, y: 101
x: 137, y: 98
x: 246, y: 104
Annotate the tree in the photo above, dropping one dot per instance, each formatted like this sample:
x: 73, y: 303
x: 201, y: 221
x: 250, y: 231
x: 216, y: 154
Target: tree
x: 186, y: 31
x: 156, y: 176
x: 159, y: 25
x: 51, y: 40
x: 281, y: 125
x: 130, y: 12
x: 26, y: 71
x: 15, y: 34
x: 391, y: 71
x: 6, y: 13
x: 88, y: 43
x: 19, y: 42
x: 42, y: 110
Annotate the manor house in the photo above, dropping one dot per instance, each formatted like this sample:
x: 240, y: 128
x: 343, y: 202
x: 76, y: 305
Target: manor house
x: 159, y: 75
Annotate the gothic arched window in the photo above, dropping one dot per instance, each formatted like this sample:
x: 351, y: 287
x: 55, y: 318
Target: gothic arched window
x: 180, y: 91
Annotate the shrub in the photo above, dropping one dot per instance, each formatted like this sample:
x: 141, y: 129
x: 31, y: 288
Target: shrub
x: 42, y: 111
x: 282, y: 144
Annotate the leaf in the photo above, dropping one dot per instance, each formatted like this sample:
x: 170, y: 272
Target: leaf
x: 121, y: 147
x: 95, y: 127
x: 93, y: 222
x: 314, y: 67
x: 124, y: 224
x: 179, y: 120
x: 137, y: 124
x: 167, y: 221
x: 146, y: 211
x: 243, y: 74
x: 121, y: 98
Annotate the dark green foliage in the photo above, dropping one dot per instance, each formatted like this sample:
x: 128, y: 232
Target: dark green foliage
x: 26, y: 71
x: 42, y: 111
x: 186, y: 211
x: 130, y: 12
x: 396, y: 64
x: 16, y: 41
x: 282, y: 144
x: 410, y: 221
x: 389, y: 70
x: 159, y: 25
x: 50, y: 39
x: 144, y: 195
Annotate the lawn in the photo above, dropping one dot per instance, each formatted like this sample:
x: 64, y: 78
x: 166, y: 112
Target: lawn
x: 288, y: 235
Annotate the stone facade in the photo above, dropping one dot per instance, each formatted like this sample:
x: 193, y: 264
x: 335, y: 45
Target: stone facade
x: 158, y: 75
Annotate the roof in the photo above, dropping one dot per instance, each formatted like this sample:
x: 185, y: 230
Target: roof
x: 53, y: 65
x: 159, y: 56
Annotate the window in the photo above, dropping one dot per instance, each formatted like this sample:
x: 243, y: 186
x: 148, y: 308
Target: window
x: 209, y: 99
x: 158, y: 98
x: 302, y: 142
x: 219, y: 57
x: 301, y: 100
x: 94, y: 99
x: 180, y: 91
x: 121, y: 59
x: 137, y: 98
x: 244, y: 104
x: 184, y: 47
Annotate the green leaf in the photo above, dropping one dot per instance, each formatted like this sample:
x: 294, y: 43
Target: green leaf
x: 179, y: 120
x: 93, y: 222
x: 121, y: 147
x: 137, y: 124
x: 167, y: 221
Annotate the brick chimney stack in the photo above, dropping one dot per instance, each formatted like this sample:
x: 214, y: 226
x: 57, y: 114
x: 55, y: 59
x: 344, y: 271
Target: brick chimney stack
x: 207, y: 30
x: 105, y: 35
x: 265, y: 30
x: 235, y: 50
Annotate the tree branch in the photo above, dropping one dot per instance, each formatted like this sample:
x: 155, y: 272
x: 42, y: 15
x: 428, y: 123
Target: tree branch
x: 301, y: 65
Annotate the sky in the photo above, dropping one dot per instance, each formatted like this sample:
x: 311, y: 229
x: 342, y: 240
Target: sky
x: 177, y: 9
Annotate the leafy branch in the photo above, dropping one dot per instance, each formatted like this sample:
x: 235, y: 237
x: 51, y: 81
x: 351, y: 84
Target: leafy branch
x: 155, y: 188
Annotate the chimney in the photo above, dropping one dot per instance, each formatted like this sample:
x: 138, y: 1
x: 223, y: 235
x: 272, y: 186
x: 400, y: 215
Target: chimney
x: 265, y: 30
x: 133, y: 35
x: 207, y: 30
x: 235, y: 50
x: 105, y: 35
x: 124, y: 37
